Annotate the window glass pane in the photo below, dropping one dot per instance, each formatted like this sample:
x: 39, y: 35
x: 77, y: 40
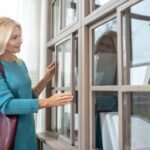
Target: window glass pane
x: 138, y: 127
x: 63, y: 69
x: 63, y: 120
x: 106, y: 127
x: 76, y: 61
x: 142, y: 8
x: 76, y: 87
x: 56, y: 16
x: 53, y: 116
x: 59, y: 68
x: 70, y: 12
x: 137, y: 66
x: 76, y: 116
x: 67, y: 63
x: 63, y: 77
x: 99, y: 3
x: 105, y: 54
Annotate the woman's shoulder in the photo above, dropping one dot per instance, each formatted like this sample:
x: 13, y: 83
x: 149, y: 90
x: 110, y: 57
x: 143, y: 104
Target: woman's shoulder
x: 18, y: 62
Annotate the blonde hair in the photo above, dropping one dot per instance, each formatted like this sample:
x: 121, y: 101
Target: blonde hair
x: 7, y: 26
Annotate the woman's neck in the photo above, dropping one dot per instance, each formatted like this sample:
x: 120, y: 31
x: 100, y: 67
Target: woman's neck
x: 8, y: 57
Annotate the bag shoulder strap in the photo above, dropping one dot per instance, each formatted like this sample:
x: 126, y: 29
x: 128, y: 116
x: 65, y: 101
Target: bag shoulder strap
x: 2, y: 71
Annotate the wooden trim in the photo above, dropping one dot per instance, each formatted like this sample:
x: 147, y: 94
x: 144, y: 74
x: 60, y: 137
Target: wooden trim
x: 126, y: 68
x: 72, y: 86
x: 85, y: 90
x: 120, y: 101
x: 112, y: 16
x: 85, y: 8
x: 105, y: 88
x: 121, y: 121
x: 80, y: 102
x: 127, y: 120
x: 63, y: 40
x: 102, y: 12
x: 59, y: 37
x: 126, y: 5
x: 91, y: 105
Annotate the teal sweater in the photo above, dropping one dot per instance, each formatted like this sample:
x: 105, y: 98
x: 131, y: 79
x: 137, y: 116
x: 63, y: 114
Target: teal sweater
x: 17, y: 97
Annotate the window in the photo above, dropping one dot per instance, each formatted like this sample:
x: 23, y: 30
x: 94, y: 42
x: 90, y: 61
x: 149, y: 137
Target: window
x: 136, y: 26
x: 99, y: 3
x: 106, y: 127
x: 138, y: 120
x: 69, y: 14
x: 64, y: 14
x: 105, y: 53
x: 135, y: 43
x: 64, y: 119
x: 104, y: 73
x: 95, y: 4
x: 63, y: 80
x: 56, y: 17
x: 108, y: 74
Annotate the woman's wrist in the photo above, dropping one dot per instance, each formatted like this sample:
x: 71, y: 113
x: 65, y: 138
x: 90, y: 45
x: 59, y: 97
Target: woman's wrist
x: 43, y: 103
x: 45, y: 80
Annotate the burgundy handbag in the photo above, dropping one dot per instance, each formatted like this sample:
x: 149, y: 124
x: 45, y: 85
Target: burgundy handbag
x: 8, y: 126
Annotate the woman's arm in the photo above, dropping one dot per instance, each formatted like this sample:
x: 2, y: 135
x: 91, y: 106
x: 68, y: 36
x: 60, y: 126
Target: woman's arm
x: 47, y: 77
x: 11, y: 105
x: 39, y: 87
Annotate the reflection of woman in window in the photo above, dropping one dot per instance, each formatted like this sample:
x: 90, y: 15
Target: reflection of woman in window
x: 105, y: 59
x: 105, y: 74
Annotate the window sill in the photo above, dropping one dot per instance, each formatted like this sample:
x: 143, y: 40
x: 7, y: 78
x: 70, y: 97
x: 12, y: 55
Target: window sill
x: 52, y: 141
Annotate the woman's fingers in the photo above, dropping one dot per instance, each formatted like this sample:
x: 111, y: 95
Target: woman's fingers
x: 51, y: 66
x: 64, y: 98
x: 64, y: 94
x: 60, y: 99
x: 65, y: 102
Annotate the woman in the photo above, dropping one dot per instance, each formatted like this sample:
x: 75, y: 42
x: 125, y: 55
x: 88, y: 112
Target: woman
x: 106, y: 59
x: 16, y: 95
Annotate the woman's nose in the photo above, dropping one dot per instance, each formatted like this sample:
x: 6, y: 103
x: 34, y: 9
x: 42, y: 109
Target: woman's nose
x: 20, y: 40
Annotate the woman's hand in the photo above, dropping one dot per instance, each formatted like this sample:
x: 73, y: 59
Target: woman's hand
x: 56, y: 100
x: 49, y: 72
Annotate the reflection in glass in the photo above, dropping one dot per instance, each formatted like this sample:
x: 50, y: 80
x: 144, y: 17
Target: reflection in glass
x: 63, y: 70
x: 67, y: 63
x: 70, y: 12
x: 99, y: 3
x: 139, y: 122
x: 76, y: 61
x: 56, y: 17
x: 63, y: 120
x: 105, y: 54
x: 138, y: 69
x: 106, y: 129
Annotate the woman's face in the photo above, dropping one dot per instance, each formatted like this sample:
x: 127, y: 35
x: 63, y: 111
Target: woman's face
x: 15, y: 41
x: 106, y: 45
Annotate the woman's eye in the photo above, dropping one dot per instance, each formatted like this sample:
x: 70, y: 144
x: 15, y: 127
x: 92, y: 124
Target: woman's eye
x: 14, y: 37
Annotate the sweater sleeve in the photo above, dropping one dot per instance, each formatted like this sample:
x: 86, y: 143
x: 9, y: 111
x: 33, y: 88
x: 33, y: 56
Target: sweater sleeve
x: 33, y: 94
x: 10, y: 105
